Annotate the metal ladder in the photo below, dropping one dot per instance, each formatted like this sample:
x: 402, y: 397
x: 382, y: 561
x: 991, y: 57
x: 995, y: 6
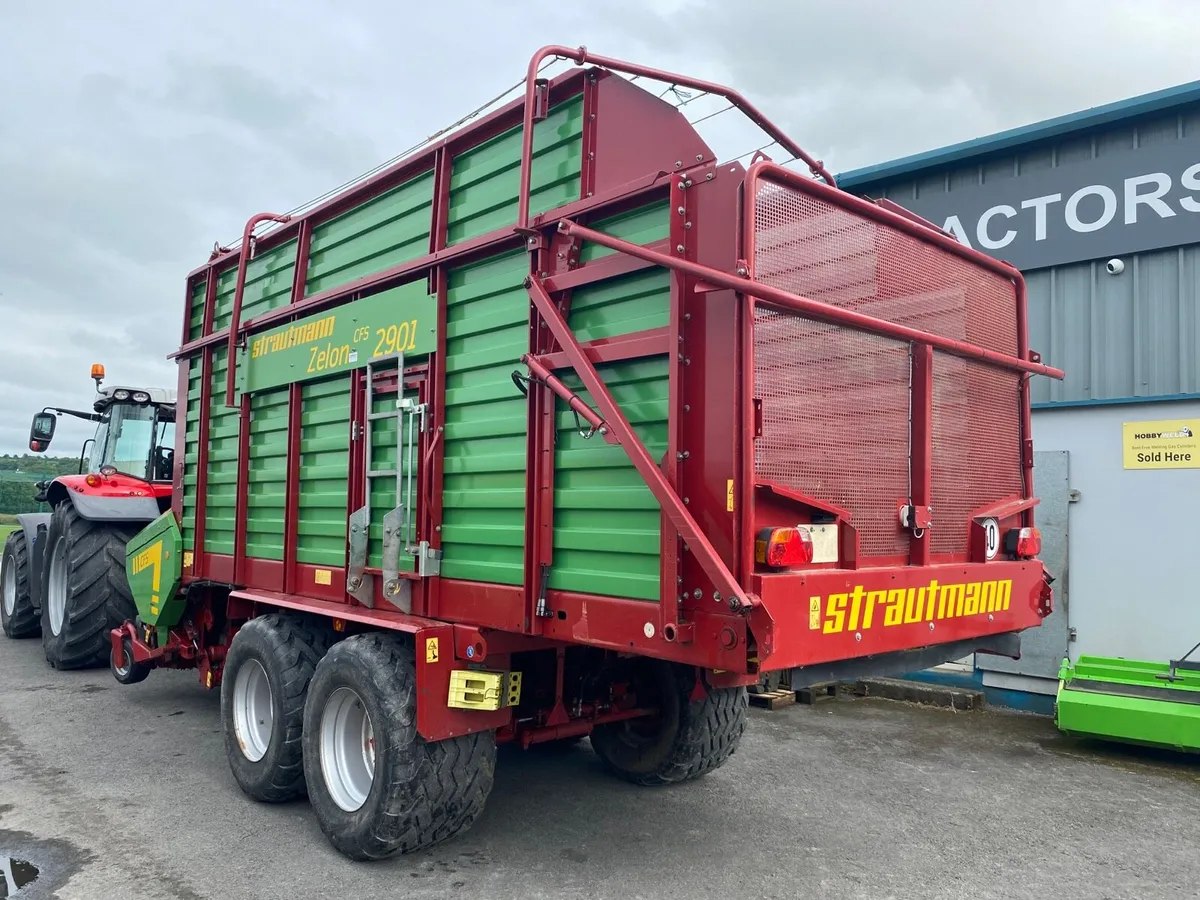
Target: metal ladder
x: 399, y: 523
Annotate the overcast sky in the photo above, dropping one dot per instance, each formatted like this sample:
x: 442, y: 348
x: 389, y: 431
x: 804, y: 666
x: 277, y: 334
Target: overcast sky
x: 135, y: 134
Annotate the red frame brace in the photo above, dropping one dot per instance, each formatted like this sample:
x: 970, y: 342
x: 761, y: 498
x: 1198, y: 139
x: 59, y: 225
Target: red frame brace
x: 812, y: 309
x: 623, y: 433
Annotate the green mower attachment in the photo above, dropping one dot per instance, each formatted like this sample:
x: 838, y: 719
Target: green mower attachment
x: 1148, y: 703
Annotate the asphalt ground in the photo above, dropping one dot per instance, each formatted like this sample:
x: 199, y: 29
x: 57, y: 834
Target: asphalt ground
x: 122, y: 793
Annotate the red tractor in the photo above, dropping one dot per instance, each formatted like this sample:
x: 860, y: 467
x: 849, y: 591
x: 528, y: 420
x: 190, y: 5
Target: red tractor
x: 63, y: 572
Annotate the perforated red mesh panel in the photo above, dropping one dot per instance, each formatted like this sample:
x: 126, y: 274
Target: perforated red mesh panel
x: 835, y: 403
x: 976, y: 444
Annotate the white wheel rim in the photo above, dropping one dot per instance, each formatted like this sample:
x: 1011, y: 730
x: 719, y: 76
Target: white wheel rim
x: 10, y: 587
x: 127, y: 652
x: 56, y: 593
x: 253, y: 710
x: 347, y: 749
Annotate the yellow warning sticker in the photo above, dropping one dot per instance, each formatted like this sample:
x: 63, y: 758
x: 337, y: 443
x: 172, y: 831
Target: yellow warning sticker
x: 814, y: 613
x: 187, y: 559
x: 323, y: 576
x: 431, y: 650
x: 729, y: 495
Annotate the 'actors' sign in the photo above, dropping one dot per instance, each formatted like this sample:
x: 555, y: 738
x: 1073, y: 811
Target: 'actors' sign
x: 1118, y: 203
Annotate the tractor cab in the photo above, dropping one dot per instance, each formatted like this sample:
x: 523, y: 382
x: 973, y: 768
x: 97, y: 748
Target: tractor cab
x: 134, y: 438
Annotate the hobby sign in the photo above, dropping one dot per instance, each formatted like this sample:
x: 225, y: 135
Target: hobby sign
x: 1112, y: 204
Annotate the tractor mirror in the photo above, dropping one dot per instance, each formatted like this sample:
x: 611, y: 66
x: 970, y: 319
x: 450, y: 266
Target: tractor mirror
x: 41, y: 432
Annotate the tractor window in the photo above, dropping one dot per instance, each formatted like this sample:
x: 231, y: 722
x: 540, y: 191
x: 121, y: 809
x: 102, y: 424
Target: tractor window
x: 128, y: 439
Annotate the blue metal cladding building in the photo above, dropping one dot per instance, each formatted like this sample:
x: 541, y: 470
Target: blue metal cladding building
x: 1101, y: 211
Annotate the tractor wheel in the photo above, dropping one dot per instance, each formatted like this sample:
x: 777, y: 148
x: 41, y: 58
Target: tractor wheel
x: 376, y: 785
x: 691, y: 736
x: 18, y: 616
x: 267, y: 671
x: 85, y: 593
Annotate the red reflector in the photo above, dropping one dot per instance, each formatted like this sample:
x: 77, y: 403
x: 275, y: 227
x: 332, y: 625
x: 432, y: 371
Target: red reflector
x: 782, y: 547
x: 1024, y: 543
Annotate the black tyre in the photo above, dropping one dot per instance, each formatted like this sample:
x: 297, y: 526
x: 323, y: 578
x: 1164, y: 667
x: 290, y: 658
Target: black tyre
x: 18, y: 617
x: 690, y: 737
x: 265, y: 680
x: 376, y: 785
x: 129, y: 672
x: 85, y: 593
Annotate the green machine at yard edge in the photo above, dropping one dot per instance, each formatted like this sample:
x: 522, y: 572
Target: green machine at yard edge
x: 1148, y: 703
x: 153, y: 564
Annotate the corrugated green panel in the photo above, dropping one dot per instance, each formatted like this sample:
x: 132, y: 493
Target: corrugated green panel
x: 196, y: 310
x: 606, y: 521
x: 485, y: 181
x: 191, y: 451
x: 621, y: 305
x: 384, y: 493
x: 268, y: 281
x: 324, y: 470
x: 483, y: 491
x: 221, y: 494
x: 644, y: 225
x: 223, y: 310
x: 383, y: 232
x: 267, y: 484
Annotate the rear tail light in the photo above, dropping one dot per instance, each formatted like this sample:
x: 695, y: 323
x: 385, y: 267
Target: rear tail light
x: 783, y: 547
x: 1023, y: 543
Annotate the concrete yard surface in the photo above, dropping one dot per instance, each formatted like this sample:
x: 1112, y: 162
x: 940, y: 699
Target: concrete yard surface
x: 123, y: 793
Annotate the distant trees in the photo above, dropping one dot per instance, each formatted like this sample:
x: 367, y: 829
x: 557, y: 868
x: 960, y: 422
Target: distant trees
x: 18, y: 474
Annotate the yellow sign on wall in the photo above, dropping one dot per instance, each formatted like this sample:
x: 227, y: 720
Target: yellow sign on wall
x: 1169, y: 444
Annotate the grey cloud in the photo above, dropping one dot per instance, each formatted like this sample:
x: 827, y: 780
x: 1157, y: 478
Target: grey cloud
x: 134, y: 135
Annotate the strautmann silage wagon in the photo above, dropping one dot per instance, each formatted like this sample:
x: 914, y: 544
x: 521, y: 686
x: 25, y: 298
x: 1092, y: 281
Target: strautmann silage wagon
x: 558, y: 427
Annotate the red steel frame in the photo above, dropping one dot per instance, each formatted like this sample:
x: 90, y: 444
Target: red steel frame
x: 707, y: 548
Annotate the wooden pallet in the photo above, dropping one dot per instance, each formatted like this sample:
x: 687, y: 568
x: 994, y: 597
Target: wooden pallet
x: 772, y: 699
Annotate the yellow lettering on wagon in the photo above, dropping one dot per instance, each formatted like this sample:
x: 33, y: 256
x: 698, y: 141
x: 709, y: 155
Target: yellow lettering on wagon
x: 857, y: 610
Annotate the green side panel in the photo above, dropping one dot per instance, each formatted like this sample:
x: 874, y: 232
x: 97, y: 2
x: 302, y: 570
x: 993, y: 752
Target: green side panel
x: 223, y: 310
x: 191, y: 451
x: 485, y: 181
x: 269, y: 281
x: 383, y: 232
x: 221, y: 500
x: 1129, y: 701
x: 196, y: 310
x: 324, y: 470
x: 384, y: 493
x: 153, y: 563
x: 483, y: 490
x: 644, y: 225
x: 621, y: 305
x: 606, y: 521
x: 267, y: 484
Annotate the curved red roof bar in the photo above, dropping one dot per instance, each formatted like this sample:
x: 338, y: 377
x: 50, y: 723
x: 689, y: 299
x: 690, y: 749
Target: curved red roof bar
x: 581, y: 56
x: 238, y: 290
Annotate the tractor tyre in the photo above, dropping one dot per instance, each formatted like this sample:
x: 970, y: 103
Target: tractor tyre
x: 18, y: 616
x: 263, y: 685
x: 695, y: 732
x: 85, y: 593
x: 376, y: 785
